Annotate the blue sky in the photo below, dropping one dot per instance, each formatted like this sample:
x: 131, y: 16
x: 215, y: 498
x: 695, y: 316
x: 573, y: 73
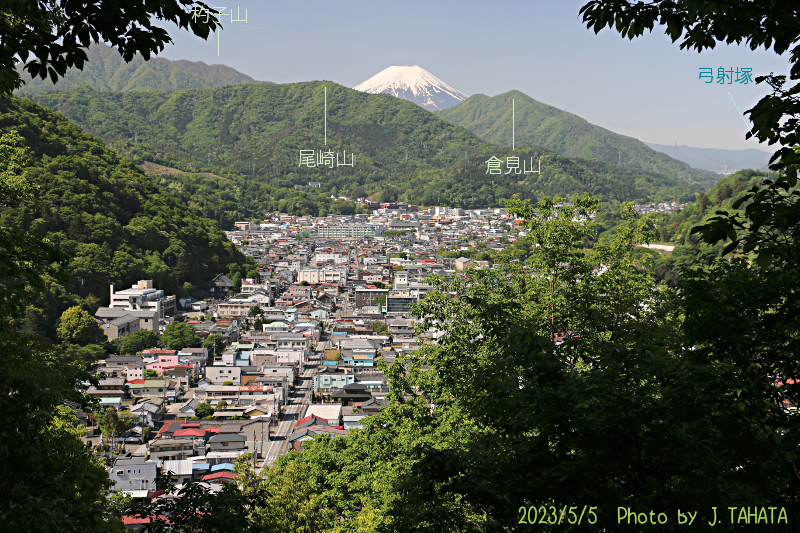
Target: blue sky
x: 646, y: 88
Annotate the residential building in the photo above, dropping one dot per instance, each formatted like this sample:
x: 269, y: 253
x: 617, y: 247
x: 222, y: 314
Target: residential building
x: 171, y: 449
x: 219, y: 374
x: 133, y: 475
x: 369, y: 295
x: 322, y: 275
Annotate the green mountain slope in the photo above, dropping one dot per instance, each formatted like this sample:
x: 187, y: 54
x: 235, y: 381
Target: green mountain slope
x: 253, y: 134
x: 676, y: 228
x: 106, y: 213
x: 539, y: 124
x: 720, y: 197
x: 107, y: 71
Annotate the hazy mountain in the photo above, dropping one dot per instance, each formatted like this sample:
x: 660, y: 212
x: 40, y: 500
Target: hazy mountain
x: 107, y: 71
x: 414, y: 84
x: 716, y: 159
x: 539, y: 124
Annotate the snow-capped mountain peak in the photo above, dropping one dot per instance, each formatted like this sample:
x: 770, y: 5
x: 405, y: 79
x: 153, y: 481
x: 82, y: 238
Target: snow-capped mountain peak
x: 414, y: 84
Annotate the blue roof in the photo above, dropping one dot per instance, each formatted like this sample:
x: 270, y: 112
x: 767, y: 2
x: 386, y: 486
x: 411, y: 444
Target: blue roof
x: 112, y: 400
x: 200, y: 466
x: 222, y: 466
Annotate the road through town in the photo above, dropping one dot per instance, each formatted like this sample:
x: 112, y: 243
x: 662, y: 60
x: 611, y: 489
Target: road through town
x: 295, y: 409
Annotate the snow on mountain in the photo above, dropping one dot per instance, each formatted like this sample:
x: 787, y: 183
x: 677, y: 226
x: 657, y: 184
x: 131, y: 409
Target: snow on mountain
x: 414, y: 84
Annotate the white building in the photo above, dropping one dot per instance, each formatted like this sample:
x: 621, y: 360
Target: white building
x: 336, y: 258
x: 143, y: 297
x: 322, y: 275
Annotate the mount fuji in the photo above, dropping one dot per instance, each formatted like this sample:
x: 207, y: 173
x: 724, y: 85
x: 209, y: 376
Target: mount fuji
x: 414, y: 84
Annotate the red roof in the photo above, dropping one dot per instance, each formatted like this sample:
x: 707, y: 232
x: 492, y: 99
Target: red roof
x: 167, y: 424
x: 136, y: 382
x: 306, y: 419
x: 191, y: 424
x: 154, y: 351
x: 190, y: 432
x: 219, y: 475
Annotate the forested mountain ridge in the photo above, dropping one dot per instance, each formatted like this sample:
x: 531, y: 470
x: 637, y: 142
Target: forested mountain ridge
x: 107, y: 71
x: 539, y: 124
x: 253, y: 135
x: 107, y: 215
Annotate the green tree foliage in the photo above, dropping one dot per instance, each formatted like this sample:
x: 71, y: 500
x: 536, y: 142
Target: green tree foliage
x: 57, y: 33
x: 380, y: 327
x: 578, y: 384
x: 150, y: 373
x: 188, y: 288
x: 194, y: 507
x: 137, y: 341
x: 41, y: 445
x: 179, y: 335
x: 76, y: 326
x: 221, y: 406
x: 109, y: 421
x: 204, y: 410
x: 79, y: 483
x: 237, y: 281
x: 215, y: 344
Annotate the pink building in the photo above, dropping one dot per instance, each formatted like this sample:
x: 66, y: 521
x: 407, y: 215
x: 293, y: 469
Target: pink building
x: 163, y: 361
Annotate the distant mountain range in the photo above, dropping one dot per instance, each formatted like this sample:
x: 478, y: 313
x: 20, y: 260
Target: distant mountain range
x: 107, y: 71
x: 414, y: 84
x: 490, y: 118
x: 253, y: 134
x: 715, y: 159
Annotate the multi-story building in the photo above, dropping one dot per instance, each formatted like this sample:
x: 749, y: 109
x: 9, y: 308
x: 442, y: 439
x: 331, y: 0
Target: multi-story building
x: 330, y: 257
x: 347, y: 231
x: 171, y: 449
x: 238, y: 307
x: 398, y: 302
x: 143, y: 296
x: 369, y: 295
x: 322, y: 275
x: 134, y: 476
